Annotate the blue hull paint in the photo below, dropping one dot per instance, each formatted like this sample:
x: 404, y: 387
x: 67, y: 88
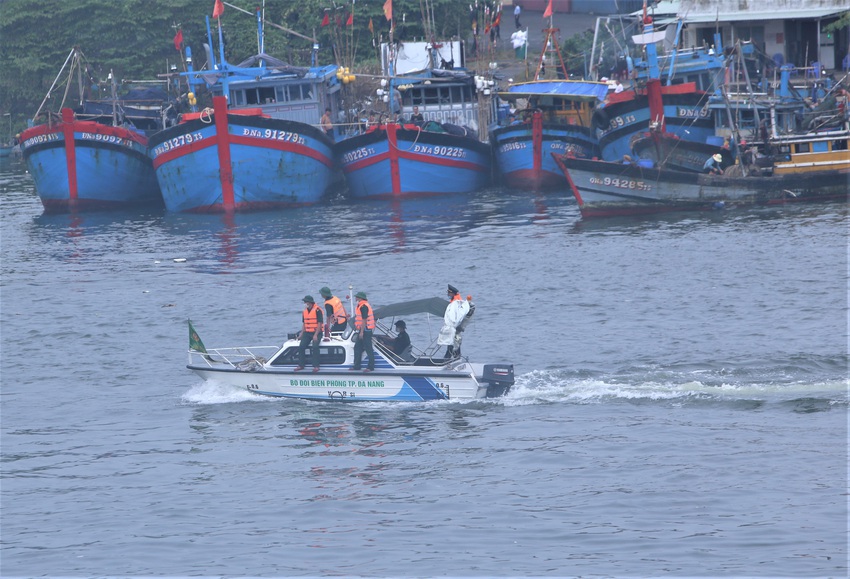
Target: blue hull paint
x: 428, y: 164
x: 108, y: 174
x: 514, y: 151
x: 686, y: 116
x: 266, y: 173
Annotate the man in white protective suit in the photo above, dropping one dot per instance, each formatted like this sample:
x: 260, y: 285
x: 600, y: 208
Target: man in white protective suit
x: 457, y: 316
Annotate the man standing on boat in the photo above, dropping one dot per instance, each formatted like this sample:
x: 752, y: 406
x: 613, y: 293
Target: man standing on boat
x: 456, y: 314
x: 311, y: 333
x: 364, y: 322
x: 327, y: 124
x: 335, y: 311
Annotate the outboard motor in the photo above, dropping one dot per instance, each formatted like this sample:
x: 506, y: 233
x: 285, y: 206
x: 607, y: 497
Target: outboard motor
x: 499, y: 379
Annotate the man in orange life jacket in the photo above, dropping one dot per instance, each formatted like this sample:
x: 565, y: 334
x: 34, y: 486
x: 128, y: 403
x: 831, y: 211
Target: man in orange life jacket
x: 334, y: 311
x: 311, y: 333
x: 364, y: 322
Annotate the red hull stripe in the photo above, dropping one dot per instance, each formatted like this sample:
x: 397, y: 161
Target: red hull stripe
x: 184, y: 150
x: 365, y: 162
x: 225, y: 168
x: 425, y: 159
x: 249, y: 141
x: 434, y: 160
x: 70, y: 152
x: 303, y: 150
x: 84, y: 127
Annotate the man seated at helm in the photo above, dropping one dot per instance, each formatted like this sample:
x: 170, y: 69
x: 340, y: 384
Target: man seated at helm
x: 401, y: 343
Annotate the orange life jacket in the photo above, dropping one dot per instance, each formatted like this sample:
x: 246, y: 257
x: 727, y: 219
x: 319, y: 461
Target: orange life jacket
x: 311, y: 319
x: 340, y: 315
x: 358, y: 317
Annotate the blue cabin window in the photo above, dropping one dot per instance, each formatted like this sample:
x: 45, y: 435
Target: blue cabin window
x: 327, y: 355
x: 820, y: 147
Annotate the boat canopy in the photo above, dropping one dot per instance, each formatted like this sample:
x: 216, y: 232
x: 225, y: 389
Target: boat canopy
x: 435, y: 306
x: 273, y: 64
x: 570, y: 89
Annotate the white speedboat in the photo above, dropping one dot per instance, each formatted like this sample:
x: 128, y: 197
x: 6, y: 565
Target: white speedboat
x: 414, y: 375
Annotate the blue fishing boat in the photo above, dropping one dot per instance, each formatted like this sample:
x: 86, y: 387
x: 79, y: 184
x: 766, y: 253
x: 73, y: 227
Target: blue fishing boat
x: 439, y: 154
x: 393, y: 160
x: 95, y: 157
x: 682, y: 102
x: 556, y: 120
x: 259, y: 146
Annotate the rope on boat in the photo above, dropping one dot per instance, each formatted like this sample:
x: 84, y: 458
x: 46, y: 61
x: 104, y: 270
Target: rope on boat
x: 208, y: 112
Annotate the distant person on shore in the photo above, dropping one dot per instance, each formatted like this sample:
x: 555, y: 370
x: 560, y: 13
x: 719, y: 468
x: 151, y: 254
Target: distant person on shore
x: 517, y: 10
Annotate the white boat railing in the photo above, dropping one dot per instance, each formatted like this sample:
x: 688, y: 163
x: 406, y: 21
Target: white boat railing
x: 234, y: 357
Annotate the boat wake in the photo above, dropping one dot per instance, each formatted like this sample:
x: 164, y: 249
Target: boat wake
x: 695, y: 387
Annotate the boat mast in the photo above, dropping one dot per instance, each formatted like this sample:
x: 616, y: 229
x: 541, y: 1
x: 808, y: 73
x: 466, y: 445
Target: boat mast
x: 550, y: 44
x: 653, y: 83
x: 52, y: 86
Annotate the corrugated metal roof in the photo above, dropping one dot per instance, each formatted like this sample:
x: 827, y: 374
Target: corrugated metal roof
x: 671, y: 7
x: 784, y: 14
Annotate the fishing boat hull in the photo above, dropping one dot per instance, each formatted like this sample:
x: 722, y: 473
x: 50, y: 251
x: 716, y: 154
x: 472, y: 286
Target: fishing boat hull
x: 671, y: 152
x: 227, y: 162
x: 524, y: 153
x: 83, y: 165
x: 686, y: 115
x: 394, y: 162
x: 605, y: 189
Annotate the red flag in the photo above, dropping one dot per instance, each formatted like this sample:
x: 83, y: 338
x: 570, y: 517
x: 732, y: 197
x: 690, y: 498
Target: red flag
x: 388, y: 9
x: 498, y: 19
x: 178, y: 39
x: 218, y: 10
x: 371, y: 27
x: 326, y: 20
x: 350, y: 20
x: 548, y: 11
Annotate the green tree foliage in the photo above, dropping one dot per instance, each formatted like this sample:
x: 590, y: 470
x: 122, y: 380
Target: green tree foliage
x: 134, y: 38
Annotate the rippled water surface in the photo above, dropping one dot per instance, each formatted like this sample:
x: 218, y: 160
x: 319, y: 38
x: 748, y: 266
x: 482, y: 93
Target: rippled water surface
x: 681, y: 406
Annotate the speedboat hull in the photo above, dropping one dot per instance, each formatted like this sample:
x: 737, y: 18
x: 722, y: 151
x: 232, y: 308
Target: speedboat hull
x: 412, y: 384
x: 83, y: 165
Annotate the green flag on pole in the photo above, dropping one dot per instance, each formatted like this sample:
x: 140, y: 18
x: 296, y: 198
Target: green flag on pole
x: 195, y: 342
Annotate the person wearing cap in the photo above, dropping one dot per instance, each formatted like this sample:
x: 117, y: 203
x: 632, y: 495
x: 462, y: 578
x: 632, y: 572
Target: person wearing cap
x: 712, y: 165
x: 364, y: 322
x: 402, y: 339
x: 311, y: 333
x: 334, y: 311
x: 456, y: 313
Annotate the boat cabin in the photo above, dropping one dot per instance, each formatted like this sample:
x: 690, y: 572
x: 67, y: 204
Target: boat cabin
x: 284, y: 92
